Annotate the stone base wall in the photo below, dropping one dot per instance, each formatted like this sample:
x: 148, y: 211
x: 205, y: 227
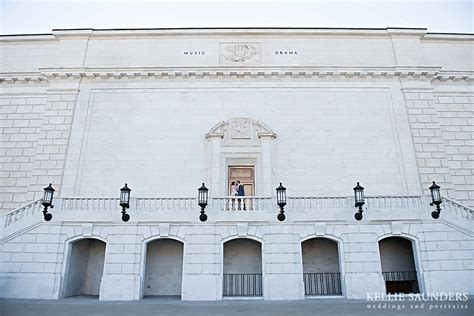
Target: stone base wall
x: 34, y: 262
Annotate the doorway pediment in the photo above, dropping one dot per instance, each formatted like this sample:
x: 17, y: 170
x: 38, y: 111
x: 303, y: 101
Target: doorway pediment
x: 240, y: 132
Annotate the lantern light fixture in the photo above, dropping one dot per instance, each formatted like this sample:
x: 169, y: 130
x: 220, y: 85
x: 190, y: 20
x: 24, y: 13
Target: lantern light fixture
x: 48, y: 202
x: 435, y: 199
x: 203, y: 194
x: 359, y: 200
x: 125, y: 202
x: 281, y: 201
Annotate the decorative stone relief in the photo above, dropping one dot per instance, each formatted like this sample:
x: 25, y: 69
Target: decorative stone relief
x: 240, y: 129
x: 240, y: 52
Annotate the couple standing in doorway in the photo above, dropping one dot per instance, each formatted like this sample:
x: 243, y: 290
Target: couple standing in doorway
x: 237, y: 189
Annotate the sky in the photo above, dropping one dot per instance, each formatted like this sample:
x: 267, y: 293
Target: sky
x: 38, y: 16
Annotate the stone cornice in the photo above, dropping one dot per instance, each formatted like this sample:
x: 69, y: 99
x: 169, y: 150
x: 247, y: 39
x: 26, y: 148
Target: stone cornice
x: 240, y: 72
x: 222, y: 31
x: 455, y: 76
x: 409, y: 73
x: 22, y: 77
x: 236, y: 31
x: 448, y: 36
x: 26, y: 38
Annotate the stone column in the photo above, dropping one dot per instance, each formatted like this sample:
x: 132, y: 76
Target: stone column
x: 427, y: 137
x: 363, y: 272
x: 282, y: 275
x: 215, y: 187
x: 121, y: 279
x: 267, y: 165
x: 202, y: 279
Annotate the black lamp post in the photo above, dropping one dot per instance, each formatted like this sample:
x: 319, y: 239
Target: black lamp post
x: 203, y: 194
x: 125, y: 202
x: 359, y: 200
x: 435, y: 200
x: 281, y: 202
x: 48, y: 202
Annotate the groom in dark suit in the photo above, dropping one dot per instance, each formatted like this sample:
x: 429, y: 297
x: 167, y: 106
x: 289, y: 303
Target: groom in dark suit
x: 240, y: 189
x: 241, y: 192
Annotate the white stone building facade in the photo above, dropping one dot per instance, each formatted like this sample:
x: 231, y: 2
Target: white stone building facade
x: 165, y: 110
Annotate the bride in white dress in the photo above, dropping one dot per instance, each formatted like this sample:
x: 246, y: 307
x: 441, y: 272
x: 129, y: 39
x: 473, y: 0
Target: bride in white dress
x: 234, y: 192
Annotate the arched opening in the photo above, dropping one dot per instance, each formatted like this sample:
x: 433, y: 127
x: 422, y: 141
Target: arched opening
x: 85, y: 268
x: 398, y: 265
x: 242, y: 268
x: 321, y: 271
x: 163, y: 268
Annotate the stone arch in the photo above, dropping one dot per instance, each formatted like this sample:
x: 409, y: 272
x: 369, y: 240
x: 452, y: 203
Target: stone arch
x: 242, y: 272
x: 75, y: 238
x: 162, y: 230
x: 153, y: 238
x: 242, y: 230
x: 84, y: 268
x: 336, y: 239
x: 410, y: 237
x: 161, y: 267
x: 322, y: 265
x: 399, y: 263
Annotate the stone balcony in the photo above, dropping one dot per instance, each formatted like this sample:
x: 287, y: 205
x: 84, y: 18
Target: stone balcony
x: 231, y: 209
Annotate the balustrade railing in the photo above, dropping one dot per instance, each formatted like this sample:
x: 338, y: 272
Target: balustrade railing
x: 23, y: 212
x: 398, y: 202
x: 166, y: 204
x: 458, y: 209
x: 247, y: 203
x: 322, y: 283
x: 249, y: 284
x: 89, y: 204
x: 302, y: 204
x: 241, y: 204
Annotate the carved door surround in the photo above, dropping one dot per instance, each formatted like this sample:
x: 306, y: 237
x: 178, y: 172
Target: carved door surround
x: 240, y: 141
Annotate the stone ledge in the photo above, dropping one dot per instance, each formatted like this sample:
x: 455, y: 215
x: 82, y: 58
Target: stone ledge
x: 49, y: 74
x: 240, y: 72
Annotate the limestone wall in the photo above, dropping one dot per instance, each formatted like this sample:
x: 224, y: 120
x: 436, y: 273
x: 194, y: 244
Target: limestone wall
x: 33, y: 263
x: 164, y: 268
x: 320, y: 256
x: 90, y: 110
x: 185, y: 48
x: 455, y: 110
x: 20, y: 124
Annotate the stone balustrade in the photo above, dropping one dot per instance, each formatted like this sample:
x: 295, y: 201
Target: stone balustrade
x: 458, y: 209
x: 307, y: 204
x: 232, y: 204
x: 165, y: 204
x: 25, y: 211
x: 89, y: 204
x: 247, y: 203
x: 393, y: 202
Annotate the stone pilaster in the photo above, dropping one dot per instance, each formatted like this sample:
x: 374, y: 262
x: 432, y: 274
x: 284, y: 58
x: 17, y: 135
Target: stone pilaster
x: 427, y: 137
x: 53, y: 138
